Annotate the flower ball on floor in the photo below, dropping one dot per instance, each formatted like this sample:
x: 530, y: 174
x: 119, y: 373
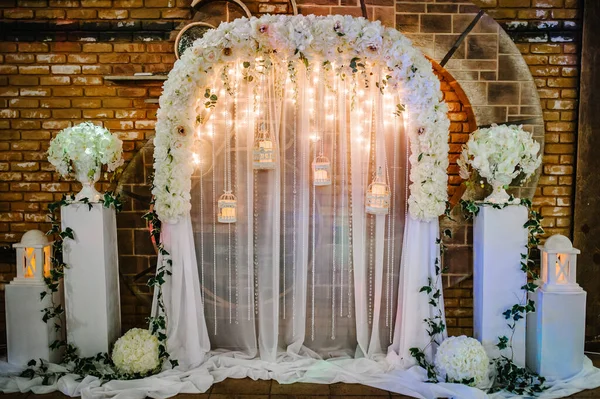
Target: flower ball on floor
x: 136, y: 352
x: 462, y: 360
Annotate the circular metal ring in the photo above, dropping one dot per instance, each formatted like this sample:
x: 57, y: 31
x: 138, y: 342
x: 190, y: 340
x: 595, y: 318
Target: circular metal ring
x: 195, y: 30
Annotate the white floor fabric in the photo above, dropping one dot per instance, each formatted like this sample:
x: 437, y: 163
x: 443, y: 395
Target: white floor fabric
x: 288, y: 369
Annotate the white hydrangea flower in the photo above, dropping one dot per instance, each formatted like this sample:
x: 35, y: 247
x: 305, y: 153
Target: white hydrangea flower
x: 500, y: 153
x: 462, y: 359
x: 136, y: 352
x: 85, y: 147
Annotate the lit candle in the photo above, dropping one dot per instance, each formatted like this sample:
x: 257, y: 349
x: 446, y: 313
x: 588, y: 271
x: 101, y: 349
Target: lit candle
x: 378, y: 189
x: 321, y: 174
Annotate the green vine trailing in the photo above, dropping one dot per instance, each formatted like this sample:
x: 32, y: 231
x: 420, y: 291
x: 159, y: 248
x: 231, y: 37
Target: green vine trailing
x: 435, y: 323
x: 100, y: 365
x: 509, y: 377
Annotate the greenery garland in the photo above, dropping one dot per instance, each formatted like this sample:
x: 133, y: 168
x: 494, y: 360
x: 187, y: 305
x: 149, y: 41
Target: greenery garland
x: 100, y: 365
x: 509, y: 376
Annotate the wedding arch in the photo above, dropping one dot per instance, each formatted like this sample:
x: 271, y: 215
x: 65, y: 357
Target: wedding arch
x: 300, y: 168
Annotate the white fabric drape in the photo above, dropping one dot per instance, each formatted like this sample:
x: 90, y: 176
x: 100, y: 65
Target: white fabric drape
x: 305, y: 269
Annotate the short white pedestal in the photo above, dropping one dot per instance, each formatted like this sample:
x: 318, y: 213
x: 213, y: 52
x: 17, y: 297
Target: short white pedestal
x: 28, y: 337
x: 93, y: 309
x: 556, y: 333
x: 499, y: 239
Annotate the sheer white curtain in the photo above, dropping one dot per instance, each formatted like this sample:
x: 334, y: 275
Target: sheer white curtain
x: 304, y: 270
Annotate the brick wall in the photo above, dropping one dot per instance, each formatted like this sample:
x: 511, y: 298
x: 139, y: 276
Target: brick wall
x: 54, y: 55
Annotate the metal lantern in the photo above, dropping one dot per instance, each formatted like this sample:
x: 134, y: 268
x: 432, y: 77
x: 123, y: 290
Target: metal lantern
x: 227, y: 208
x: 378, y: 196
x: 321, y: 171
x: 33, y: 258
x: 559, y: 264
x: 263, y: 153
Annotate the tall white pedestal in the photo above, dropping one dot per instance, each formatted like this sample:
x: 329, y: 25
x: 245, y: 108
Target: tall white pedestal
x: 556, y: 333
x: 93, y: 309
x: 499, y: 239
x: 28, y: 337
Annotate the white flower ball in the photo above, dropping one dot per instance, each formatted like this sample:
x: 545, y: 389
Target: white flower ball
x: 136, y: 352
x: 461, y: 359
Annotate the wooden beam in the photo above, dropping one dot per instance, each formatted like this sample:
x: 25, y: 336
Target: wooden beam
x: 460, y: 39
x: 586, y: 222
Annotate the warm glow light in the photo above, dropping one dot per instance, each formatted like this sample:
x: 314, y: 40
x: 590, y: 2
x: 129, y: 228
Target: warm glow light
x: 195, y: 158
x: 314, y: 137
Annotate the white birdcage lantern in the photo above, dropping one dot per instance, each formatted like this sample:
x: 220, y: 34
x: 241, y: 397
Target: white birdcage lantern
x: 378, y: 196
x: 227, y: 208
x: 33, y: 258
x: 264, y: 151
x: 559, y: 264
x: 321, y: 171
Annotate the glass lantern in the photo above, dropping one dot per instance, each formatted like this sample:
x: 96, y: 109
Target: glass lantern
x: 263, y: 152
x: 33, y: 258
x: 559, y: 264
x: 227, y: 208
x: 321, y: 171
x: 378, y: 196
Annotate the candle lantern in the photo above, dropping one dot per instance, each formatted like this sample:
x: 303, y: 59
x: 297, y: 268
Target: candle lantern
x: 321, y: 171
x: 556, y: 328
x: 33, y: 258
x: 28, y: 336
x: 227, y: 208
x: 378, y: 196
x: 559, y: 264
x: 263, y: 153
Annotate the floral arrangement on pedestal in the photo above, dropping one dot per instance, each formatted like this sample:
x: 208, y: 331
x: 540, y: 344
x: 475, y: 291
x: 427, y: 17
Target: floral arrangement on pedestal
x: 500, y: 154
x: 462, y: 360
x: 83, y: 150
x: 136, y: 352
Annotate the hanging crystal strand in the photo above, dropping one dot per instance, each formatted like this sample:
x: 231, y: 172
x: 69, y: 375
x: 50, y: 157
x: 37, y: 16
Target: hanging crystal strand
x: 372, y: 217
x: 250, y: 277
x: 283, y: 201
x: 294, y: 208
x: 343, y: 191
x: 314, y: 223
x: 393, y: 222
x: 202, y: 236
x: 226, y: 185
x: 256, y: 201
x: 234, y: 183
x: 350, y: 217
x: 214, y: 201
x: 333, y: 170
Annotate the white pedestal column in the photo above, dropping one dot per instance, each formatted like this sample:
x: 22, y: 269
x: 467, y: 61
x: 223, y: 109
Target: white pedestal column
x: 93, y: 309
x: 499, y: 239
x: 28, y: 337
x: 556, y: 333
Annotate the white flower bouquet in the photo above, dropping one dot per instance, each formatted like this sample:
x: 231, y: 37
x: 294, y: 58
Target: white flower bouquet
x: 500, y: 154
x: 462, y: 360
x: 136, y: 352
x: 83, y: 150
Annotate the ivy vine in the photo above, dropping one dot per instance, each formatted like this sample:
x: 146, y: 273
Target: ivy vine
x: 100, y: 365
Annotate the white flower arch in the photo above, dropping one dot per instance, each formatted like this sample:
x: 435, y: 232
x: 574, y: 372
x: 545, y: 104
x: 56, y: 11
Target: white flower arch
x: 345, y: 40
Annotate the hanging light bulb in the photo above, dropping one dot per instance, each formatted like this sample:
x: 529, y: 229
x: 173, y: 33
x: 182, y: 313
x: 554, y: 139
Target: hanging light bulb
x: 227, y: 208
x: 263, y: 152
x: 321, y: 171
x: 378, y: 196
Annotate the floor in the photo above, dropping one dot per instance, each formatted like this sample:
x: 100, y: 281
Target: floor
x: 249, y: 389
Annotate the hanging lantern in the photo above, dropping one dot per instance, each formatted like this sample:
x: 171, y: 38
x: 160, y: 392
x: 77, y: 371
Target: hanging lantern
x: 321, y: 171
x: 227, y: 208
x: 264, y: 154
x: 378, y: 196
x: 559, y: 264
x: 33, y: 258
